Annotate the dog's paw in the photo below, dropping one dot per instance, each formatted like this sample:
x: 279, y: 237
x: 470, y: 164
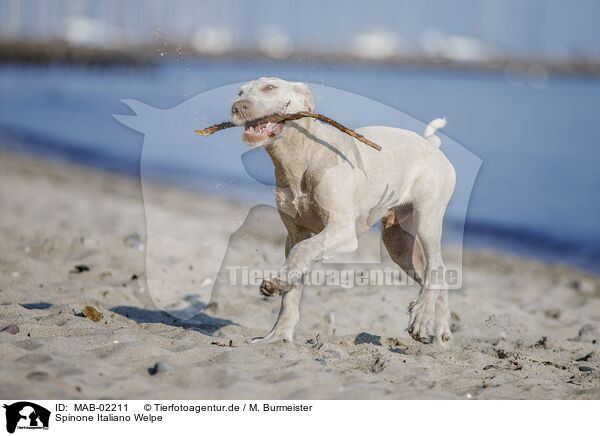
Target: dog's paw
x: 268, y: 289
x: 271, y: 337
x: 274, y: 287
x: 421, y: 324
x: 443, y: 333
x: 441, y: 339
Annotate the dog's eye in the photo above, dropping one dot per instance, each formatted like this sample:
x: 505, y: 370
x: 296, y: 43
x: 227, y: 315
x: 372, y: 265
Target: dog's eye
x: 240, y: 93
x: 269, y: 88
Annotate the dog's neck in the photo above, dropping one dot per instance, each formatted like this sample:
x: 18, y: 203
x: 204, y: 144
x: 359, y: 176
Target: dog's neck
x: 291, y: 152
x: 301, y: 145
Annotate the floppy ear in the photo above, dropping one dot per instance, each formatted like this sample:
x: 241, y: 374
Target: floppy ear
x: 303, y: 89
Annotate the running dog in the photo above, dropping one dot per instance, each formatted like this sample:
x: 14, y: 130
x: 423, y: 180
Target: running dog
x: 330, y: 188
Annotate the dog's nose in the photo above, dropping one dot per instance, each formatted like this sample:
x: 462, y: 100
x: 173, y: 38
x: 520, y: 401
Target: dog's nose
x: 241, y: 108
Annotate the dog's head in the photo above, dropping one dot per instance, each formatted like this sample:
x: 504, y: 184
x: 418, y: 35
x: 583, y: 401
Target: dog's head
x: 264, y: 97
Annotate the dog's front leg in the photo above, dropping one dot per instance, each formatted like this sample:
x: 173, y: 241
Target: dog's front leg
x: 336, y: 238
x: 288, y: 317
x: 331, y: 241
x: 289, y: 313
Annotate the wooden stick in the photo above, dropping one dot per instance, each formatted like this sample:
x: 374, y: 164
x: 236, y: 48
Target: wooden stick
x: 278, y: 118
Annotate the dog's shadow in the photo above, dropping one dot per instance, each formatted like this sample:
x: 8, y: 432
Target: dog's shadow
x: 201, y: 322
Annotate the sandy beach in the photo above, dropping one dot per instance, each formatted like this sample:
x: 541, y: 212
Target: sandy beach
x: 522, y: 330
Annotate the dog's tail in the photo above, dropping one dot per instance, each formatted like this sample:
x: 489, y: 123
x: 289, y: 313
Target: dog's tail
x: 432, y: 127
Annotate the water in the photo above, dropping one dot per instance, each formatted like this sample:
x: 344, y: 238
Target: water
x: 536, y: 192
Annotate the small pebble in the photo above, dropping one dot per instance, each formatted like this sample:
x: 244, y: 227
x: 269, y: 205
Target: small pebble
x: 585, y: 358
x: 158, y: 367
x: 11, y: 329
x: 543, y: 343
x: 39, y: 306
x: 552, y: 313
x: 586, y: 368
x: 78, y: 269
x: 218, y: 344
x: 91, y: 313
x: 367, y: 338
x: 584, y: 286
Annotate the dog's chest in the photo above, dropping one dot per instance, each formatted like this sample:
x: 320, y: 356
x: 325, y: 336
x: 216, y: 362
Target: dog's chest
x: 299, y: 206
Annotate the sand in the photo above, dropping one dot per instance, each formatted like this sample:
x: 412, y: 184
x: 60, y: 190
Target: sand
x: 521, y: 329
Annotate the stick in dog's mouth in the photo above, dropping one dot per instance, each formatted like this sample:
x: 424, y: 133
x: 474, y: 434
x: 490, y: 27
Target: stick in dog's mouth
x: 275, y: 122
x: 268, y: 126
x: 272, y: 118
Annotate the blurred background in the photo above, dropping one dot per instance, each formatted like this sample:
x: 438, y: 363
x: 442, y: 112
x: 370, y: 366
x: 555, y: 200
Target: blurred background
x: 518, y: 80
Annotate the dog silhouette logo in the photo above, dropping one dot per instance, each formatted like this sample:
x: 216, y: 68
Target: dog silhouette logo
x: 224, y: 165
x: 26, y: 415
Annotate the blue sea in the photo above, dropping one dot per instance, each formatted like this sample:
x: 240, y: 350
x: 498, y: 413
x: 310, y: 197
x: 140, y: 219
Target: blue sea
x: 536, y: 192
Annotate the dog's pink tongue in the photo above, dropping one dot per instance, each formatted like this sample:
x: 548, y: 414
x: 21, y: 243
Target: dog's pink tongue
x: 273, y: 129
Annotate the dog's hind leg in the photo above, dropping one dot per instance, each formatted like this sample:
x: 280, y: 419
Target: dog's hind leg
x: 399, y: 237
x: 430, y: 315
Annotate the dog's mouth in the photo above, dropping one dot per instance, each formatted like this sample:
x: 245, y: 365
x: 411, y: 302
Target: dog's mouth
x: 257, y: 130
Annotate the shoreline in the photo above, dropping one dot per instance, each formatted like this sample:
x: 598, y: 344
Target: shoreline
x: 58, y: 51
x: 522, y: 329
x: 522, y: 243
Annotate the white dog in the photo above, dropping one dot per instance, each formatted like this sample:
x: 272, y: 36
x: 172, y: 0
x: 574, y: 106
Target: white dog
x: 331, y: 188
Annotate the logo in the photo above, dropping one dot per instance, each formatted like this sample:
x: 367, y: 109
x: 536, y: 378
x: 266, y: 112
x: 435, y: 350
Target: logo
x: 173, y: 152
x: 26, y: 415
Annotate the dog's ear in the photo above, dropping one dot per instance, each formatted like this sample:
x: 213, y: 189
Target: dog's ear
x: 309, y: 102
